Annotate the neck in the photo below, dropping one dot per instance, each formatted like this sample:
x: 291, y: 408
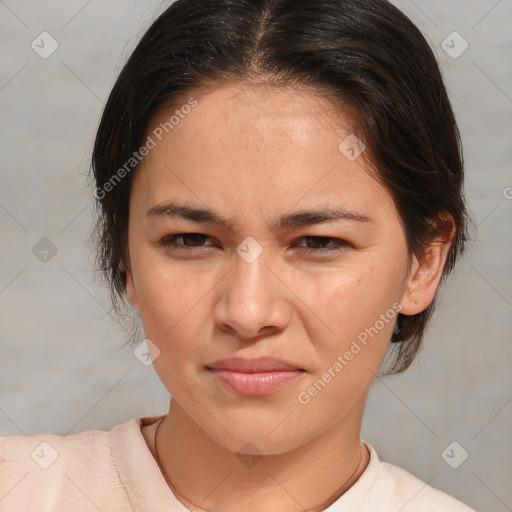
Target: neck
x: 210, y: 478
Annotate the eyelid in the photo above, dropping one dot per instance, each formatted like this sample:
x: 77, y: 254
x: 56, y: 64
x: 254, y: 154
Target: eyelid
x: 340, y: 244
x: 169, y: 240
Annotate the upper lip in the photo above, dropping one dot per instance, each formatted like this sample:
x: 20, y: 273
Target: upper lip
x: 259, y: 364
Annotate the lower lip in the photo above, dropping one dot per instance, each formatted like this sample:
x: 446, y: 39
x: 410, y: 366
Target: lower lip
x: 255, y: 384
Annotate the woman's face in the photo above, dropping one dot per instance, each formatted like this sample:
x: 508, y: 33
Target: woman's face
x: 254, y: 287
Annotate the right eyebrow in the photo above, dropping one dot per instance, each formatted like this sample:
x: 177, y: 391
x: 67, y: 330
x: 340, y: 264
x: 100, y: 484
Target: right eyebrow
x: 296, y: 219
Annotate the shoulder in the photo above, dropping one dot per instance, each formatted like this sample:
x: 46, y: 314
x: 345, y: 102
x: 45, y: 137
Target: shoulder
x: 79, y: 466
x: 44, y: 451
x: 410, y: 494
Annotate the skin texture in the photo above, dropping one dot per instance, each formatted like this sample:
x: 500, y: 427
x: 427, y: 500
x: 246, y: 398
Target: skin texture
x: 253, y: 154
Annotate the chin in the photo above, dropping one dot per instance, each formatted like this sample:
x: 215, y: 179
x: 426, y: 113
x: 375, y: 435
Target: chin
x: 251, y: 437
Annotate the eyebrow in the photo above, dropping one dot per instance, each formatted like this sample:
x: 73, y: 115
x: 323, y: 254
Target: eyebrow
x: 292, y: 220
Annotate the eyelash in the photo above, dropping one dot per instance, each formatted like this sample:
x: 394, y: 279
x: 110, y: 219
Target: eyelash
x: 169, y: 241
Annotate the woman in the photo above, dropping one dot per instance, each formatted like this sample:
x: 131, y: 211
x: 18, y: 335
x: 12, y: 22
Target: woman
x: 280, y: 193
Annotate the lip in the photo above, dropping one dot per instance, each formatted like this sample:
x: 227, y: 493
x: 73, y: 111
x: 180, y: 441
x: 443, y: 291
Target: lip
x: 254, y: 377
x: 254, y: 365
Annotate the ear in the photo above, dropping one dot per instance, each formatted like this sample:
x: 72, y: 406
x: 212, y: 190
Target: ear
x: 427, y: 270
x: 131, y: 290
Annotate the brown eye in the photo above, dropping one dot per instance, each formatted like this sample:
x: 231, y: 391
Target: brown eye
x: 322, y: 241
x: 188, y: 241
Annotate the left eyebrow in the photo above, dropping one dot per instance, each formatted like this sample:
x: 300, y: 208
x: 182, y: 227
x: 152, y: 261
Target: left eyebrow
x: 296, y: 219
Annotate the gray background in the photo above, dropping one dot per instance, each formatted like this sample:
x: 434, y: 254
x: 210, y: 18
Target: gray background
x: 63, y: 368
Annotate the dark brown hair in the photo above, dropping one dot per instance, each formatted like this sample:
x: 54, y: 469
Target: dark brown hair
x: 366, y: 55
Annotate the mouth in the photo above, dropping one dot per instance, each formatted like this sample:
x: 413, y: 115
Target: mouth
x: 255, y: 384
x: 254, y: 377
x: 254, y: 365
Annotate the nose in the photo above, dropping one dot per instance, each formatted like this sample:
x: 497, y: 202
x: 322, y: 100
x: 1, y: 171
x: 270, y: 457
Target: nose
x: 253, y: 301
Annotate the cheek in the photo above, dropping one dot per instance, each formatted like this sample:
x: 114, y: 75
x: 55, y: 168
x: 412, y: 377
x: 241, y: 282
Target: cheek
x: 357, y: 307
x: 171, y: 313
x: 361, y: 317
x: 350, y: 298
x: 170, y: 303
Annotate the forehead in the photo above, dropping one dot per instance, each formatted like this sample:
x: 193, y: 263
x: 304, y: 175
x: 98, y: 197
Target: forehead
x: 253, y: 148
x: 253, y: 123
x: 295, y: 109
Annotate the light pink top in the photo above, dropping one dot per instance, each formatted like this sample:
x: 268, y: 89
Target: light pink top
x: 115, y: 471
